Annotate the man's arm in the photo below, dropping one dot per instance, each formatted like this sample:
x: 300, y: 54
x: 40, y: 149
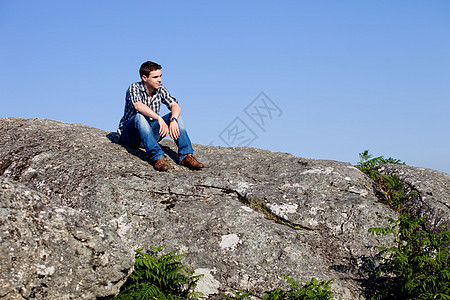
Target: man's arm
x: 145, y: 110
x: 174, y: 131
x: 148, y: 112
x: 175, y: 109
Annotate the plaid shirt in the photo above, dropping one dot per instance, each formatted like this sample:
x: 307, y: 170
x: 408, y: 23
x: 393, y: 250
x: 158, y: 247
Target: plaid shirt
x: 137, y: 93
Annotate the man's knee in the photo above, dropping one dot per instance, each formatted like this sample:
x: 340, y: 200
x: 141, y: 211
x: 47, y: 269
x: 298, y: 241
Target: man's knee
x: 140, y: 119
x: 180, y: 123
x: 142, y: 124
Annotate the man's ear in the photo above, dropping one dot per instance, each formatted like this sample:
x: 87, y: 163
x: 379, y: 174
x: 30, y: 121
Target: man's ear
x: 144, y: 78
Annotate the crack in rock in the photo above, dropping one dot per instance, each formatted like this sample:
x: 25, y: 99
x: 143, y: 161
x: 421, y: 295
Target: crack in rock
x: 260, y: 206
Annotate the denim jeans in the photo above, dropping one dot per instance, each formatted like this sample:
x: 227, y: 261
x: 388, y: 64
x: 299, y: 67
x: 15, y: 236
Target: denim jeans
x: 140, y: 130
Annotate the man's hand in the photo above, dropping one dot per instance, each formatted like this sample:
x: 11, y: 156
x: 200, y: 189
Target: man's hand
x: 163, y: 128
x: 173, y: 130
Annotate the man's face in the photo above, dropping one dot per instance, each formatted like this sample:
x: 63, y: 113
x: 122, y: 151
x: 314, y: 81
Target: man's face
x: 153, y: 80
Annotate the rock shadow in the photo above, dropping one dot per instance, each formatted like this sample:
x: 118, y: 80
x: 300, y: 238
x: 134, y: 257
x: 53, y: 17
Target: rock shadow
x: 362, y: 269
x: 139, y: 151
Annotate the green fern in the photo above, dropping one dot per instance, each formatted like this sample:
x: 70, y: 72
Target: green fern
x: 161, y: 277
x: 391, y: 185
x: 312, y: 290
x: 418, y: 266
x: 238, y: 295
x: 367, y: 162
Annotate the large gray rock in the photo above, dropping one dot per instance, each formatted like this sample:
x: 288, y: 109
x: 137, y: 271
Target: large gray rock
x: 247, y: 218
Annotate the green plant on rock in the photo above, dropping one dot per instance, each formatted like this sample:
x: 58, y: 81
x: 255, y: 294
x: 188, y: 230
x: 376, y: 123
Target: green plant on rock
x: 312, y: 290
x: 238, y: 295
x: 367, y: 162
x: 392, y: 187
x: 418, y: 266
x: 161, y: 277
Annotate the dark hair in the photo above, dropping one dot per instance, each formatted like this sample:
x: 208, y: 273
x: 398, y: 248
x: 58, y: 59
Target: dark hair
x: 147, y: 67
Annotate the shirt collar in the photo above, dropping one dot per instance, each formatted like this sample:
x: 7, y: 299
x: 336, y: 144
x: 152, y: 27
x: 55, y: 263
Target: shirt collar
x: 143, y: 89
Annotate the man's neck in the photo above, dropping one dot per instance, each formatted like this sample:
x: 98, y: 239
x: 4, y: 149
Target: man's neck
x: 149, y: 91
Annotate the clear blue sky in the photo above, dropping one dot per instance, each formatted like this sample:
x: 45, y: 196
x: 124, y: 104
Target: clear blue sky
x: 341, y: 76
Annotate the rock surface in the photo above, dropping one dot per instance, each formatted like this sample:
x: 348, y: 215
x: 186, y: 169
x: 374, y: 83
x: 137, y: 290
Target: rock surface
x: 83, y: 203
x: 433, y: 198
x: 55, y: 252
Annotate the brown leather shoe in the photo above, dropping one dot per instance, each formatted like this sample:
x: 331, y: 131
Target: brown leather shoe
x: 160, y: 164
x: 191, y: 162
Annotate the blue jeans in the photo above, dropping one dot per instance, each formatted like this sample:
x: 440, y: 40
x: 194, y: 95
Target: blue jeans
x: 141, y: 130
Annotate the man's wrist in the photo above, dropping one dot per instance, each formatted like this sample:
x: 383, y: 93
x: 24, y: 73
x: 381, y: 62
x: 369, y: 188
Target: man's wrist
x: 173, y: 119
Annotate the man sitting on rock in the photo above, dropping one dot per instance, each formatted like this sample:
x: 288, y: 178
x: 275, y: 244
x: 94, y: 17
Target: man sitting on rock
x: 141, y: 123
